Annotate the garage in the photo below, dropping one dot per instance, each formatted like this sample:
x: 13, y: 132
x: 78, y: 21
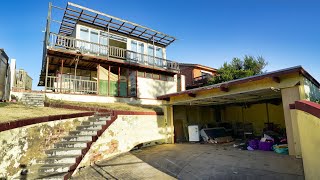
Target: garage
x: 247, y: 108
x: 236, y: 113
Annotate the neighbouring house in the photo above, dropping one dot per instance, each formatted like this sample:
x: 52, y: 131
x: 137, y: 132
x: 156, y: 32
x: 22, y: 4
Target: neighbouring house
x: 22, y: 81
x: 4, y: 75
x: 196, y: 75
x: 94, y: 53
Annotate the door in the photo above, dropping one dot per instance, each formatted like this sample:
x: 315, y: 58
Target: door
x: 134, y: 49
x: 178, y: 131
x: 103, y: 43
x: 141, y: 53
x: 150, y: 55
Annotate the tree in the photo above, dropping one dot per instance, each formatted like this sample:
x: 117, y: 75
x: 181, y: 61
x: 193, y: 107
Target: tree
x: 238, y: 68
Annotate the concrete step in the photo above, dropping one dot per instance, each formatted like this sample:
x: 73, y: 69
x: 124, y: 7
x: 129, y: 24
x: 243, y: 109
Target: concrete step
x: 32, y: 97
x: 33, y: 94
x: 89, y: 127
x: 71, y: 144
x: 77, y: 138
x: 94, y: 122
x: 83, y: 132
x: 51, y: 176
x: 64, y: 151
x: 55, y: 168
x: 61, y: 159
x: 93, y: 118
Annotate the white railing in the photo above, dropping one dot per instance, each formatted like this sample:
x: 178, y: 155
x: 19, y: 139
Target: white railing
x: 70, y: 43
x: 71, y: 85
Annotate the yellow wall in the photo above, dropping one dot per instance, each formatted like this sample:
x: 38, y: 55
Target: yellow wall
x: 194, y: 115
x: 255, y: 114
x: 309, y: 132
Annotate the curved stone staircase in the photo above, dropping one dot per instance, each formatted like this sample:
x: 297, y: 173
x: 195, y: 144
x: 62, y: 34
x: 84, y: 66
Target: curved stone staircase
x: 63, y: 159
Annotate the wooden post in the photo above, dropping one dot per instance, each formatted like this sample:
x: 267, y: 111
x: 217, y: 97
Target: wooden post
x: 46, y: 80
x: 128, y: 74
x: 109, y: 69
x: 136, y: 95
x: 61, y: 73
x: 118, y: 81
x: 98, y: 77
x: 108, y: 44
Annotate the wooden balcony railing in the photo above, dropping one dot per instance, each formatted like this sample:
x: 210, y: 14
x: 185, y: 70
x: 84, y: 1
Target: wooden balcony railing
x: 71, y: 85
x: 70, y: 43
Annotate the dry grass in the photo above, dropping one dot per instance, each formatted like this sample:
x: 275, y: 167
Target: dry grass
x: 14, y: 111
x: 112, y: 106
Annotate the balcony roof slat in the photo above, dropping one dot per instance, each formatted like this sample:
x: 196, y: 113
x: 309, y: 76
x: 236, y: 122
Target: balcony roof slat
x: 75, y: 13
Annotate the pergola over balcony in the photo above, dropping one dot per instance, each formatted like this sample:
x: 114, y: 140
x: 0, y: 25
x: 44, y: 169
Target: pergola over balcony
x: 61, y: 40
x: 74, y: 13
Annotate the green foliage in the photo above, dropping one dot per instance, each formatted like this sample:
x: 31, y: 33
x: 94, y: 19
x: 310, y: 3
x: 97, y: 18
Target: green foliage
x: 238, y: 68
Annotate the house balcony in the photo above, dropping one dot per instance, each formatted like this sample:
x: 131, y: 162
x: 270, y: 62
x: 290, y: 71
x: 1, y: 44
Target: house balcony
x: 66, y: 43
x: 202, y: 79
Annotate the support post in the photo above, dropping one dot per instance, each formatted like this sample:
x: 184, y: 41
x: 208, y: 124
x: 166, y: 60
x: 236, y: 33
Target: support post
x: 46, y: 80
x: 118, y: 81
x: 108, y: 43
x: 267, y: 108
x: 98, y: 79
x: 61, y: 75
x: 136, y: 95
x: 154, y: 51
x: 127, y: 74
x: 109, y: 69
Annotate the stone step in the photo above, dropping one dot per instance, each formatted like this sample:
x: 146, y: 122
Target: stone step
x: 32, y: 97
x: 32, y: 94
x: 89, y: 127
x: 71, y: 144
x: 61, y: 159
x: 99, y: 118
x: 55, y: 168
x: 83, y: 132
x: 52, y: 176
x: 94, y: 122
x: 77, y: 138
x: 64, y: 151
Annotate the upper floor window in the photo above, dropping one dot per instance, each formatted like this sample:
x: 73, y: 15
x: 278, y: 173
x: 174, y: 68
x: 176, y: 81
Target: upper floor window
x: 94, y: 36
x: 159, y: 53
x: 84, y: 34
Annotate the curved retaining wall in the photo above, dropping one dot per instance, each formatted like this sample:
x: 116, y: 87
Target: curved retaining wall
x: 22, y: 143
x: 126, y: 132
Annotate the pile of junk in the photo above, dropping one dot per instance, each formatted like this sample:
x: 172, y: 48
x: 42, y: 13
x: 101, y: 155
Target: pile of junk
x: 271, y: 139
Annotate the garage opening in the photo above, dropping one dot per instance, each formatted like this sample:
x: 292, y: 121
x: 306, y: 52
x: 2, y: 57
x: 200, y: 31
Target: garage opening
x: 243, y: 117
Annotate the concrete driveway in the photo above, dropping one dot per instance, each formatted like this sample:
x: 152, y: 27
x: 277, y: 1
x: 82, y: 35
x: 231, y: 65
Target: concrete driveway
x: 196, y: 161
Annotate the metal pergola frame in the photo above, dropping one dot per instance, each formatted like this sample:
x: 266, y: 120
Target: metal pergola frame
x: 74, y: 13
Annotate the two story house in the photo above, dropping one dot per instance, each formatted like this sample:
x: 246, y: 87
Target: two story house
x: 93, y: 53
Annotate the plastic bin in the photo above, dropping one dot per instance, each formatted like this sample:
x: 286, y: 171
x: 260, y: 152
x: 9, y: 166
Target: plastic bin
x: 254, y: 143
x: 265, y: 146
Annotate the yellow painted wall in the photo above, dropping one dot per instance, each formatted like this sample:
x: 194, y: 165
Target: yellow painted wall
x: 309, y: 132
x: 194, y: 115
x: 255, y: 114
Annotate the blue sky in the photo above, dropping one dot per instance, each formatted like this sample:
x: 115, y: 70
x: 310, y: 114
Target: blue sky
x: 285, y: 32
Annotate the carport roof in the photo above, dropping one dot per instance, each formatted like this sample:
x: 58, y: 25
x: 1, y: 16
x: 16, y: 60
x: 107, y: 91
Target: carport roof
x: 274, y: 75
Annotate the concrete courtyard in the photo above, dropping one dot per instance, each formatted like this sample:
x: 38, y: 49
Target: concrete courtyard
x: 195, y: 161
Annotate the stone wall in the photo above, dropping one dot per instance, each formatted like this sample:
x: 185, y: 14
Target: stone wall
x: 126, y: 132
x: 27, y: 145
